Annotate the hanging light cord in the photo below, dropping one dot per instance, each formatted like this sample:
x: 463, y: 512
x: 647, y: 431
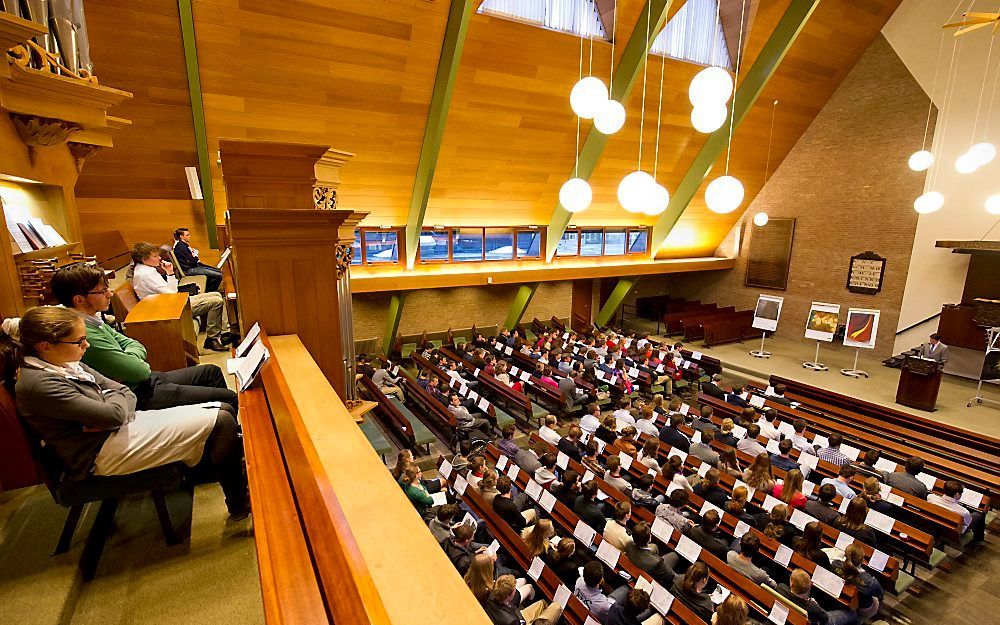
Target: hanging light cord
x: 614, y: 35
x: 736, y: 80
x: 937, y: 68
x: 645, y: 65
x: 718, y: 27
x: 576, y: 168
x: 949, y: 92
x: 982, y: 91
x: 659, y: 111
x: 770, y: 136
x: 989, y: 112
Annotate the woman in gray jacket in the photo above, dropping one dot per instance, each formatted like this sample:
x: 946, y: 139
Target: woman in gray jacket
x: 91, y: 423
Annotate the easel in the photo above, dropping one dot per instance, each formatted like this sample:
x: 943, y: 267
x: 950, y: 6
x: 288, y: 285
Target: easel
x: 854, y: 372
x: 992, y: 345
x: 760, y: 353
x: 815, y: 364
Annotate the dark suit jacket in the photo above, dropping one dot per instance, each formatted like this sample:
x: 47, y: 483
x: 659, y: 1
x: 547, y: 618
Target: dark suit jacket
x: 714, y: 495
x: 590, y: 512
x: 502, y: 613
x: 816, y: 614
x: 699, y: 602
x: 185, y: 258
x: 460, y: 556
x: 736, y: 400
x: 727, y: 439
x: 651, y: 563
x: 505, y: 507
x: 674, y: 438
x: 711, y: 541
x: 822, y: 512
x: 710, y: 389
x: 780, y: 399
x: 571, y: 449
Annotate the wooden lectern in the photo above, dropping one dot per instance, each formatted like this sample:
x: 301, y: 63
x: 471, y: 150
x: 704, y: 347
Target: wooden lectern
x: 919, y: 381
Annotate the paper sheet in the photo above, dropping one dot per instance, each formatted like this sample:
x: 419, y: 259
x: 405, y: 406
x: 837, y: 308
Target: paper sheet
x: 688, y: 549
x: 547, y: 501
x: 894, y: 499
x: 844, y: 541
x: 493, y: 548
x: 757, y: 401
x: 927, y: 479
x: 460, y: 485
x: 445, y: 469
x: 741, y: 529
x: 533, y: 489
x: 770, y: 502
x: 696, y: 355
x: 589, y: 475
x: 513, y: 470
x: 704, y: 468
x: 828, y: 581
x: 800, y: 519
x: 248, y: 340
x: 708, y: 505
x: 561, y: 596
x: 233, y: 365
x: 779, y: 613
x: 720, y: 594
x: 879, y: 521
x: 502, y: 463
x: 661, y: 529
x: 772, y: 446
x: 608, y: 553
x: 536, y: 568
x: 822, y: 442
x: 678, y: 452
x: 584, y: 533
x: 685, y: 409
x: 626, y: 460
x: 808, y: 460
x: 562, y: 460
x: 440, y: 498
x: 878, y: 560
x: 850, y: 452
x: 661, y: 599
x: 971, y: 498
x: 884, y: 464
x: 783, y: 555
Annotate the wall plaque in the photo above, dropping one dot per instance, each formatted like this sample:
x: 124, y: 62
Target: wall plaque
x: 865, y: 273
x: 769, y: 255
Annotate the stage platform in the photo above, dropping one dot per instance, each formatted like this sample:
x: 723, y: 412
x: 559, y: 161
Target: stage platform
x: 880, y: 388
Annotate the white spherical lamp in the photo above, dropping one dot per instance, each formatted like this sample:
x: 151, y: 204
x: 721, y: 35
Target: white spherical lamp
x: 709, y: 117
x: 588, y: 96
x: 724, y: 194
x: 921, y: 160
x: 928, y: 202
x: 712, y: 85
x: 966, y: 164
x: 633, y: 191
x: 575, y: 195
x: 983, y: 153
x: 657, y: 199
x: 610, y: 117
x: 993, y: 204
x: 760, y: 219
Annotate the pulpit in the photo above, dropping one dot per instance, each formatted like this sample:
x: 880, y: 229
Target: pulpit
x: 291, y: 250
x: 919, y: 381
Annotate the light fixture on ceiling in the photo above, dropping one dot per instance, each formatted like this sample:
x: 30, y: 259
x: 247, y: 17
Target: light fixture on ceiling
x: 929, y: 202
x: 610, y: 116
x: 590, y: 93
x: 921, y: 160
x: 761, y: 218
x: 635, y: 190
x: 725, y: 193
x: 993, y: 204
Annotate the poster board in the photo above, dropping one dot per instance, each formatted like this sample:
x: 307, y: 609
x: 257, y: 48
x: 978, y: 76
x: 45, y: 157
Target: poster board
x: 765, y: 315
x: 862, y: 326
x: 822, y: 320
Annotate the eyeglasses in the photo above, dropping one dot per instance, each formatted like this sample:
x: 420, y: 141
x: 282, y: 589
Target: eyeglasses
x: 77, y: 343
x: 103, y: 291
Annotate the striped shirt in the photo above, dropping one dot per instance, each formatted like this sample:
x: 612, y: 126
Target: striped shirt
x: 832, y: 454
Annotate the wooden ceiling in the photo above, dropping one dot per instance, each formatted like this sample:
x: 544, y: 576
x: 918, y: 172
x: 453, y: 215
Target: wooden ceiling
x: 358, y: 76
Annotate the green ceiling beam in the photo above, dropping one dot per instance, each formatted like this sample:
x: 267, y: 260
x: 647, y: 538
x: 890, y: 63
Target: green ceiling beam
x: 451, y: 55
x: 623, y: 288
x: 750, y: 88
x: 626, y: 74
x: 520, y: 305
x: 396, y: 302
x: 198, y: 116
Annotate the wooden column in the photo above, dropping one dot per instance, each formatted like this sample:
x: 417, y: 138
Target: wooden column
x: 291, y: 254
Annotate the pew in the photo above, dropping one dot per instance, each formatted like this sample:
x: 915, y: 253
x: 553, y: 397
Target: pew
x: 514, y: 402
x: 731, y: 330
x: 324, y: 554
x: 396, y: 418
x: 673, y: 320
x: 439, y: 418
x: 693, y: 329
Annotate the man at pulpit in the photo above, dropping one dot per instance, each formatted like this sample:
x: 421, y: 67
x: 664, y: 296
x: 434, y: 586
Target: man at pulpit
x: 935, y: 350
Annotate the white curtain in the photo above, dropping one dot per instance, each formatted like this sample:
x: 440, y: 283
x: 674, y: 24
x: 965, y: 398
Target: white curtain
x: 695, y: 35
x: 572, y: 16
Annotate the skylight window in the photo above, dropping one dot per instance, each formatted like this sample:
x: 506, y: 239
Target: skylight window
x: 695, y: 35
x: 569, y: 16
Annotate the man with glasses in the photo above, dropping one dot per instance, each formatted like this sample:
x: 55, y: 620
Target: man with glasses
x: 84, y: 288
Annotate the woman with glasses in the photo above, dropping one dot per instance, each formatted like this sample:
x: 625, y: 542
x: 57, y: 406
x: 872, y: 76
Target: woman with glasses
x: 91, y: 424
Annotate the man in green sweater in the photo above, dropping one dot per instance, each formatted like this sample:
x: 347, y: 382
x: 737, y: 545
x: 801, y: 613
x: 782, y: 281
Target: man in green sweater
x: 114, y: 355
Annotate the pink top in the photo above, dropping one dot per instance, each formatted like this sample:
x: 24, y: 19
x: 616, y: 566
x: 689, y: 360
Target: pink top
x: 798, y: 501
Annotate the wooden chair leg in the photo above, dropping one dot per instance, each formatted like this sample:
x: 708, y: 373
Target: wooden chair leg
x: 169, y: 535
x: 69, y: 528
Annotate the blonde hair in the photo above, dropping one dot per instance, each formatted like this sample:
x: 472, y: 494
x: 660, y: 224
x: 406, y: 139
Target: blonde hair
x: 479, y: 577
x: 538, y: 537
x: 727, y: 425
x: 740, y: 494
x: 411, y: 472
x: 46, y: 324
x: 732, y: 611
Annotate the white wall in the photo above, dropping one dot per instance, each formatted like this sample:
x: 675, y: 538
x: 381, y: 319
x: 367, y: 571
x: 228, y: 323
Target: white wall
x: 937, y: 276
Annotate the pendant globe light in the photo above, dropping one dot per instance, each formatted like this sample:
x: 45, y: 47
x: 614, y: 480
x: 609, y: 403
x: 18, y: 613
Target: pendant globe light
x: 966, y: 164
x: 712, y: 85
x: 983, y: 153
x: 636, y: 188
x: 725, y: 193
x: 589, y: 93
x: 659, y: 196
x: 921, y: 160
x: 993, y: 204
x: 707, y: 118
x: 610, y: 116
x: 575, y: 195
x: 761, y: 218
x: 928, y: 202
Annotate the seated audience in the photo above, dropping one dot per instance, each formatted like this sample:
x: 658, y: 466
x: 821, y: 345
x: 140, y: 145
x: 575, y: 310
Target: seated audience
x: 440, y: 525
x: 588, y: 508
x: 973, y: 520
x: 590, y: 460
x: 742, y: 561
x: 527, y: 459
x: 831, y: 453
x: 866, y: 464
x: 776, y: 525
x: 758, y: 475
x: 798, y: 438
x: 503, y: 505
x: 853, y: 522
x: 568, y: 489
x: 707, y: 534
x: 674, y: 511
x: 387, y: 383
x: 822, y: 508
x: 488, y: 486
x: 623, y: 415
x: 749, y: 443
x: 477, y: 468
x: 548, y: 430
x: 91, y: 423
x: 571, y: 445
x: 477, y: 427
x: 725, y: 434
x: 432, y: 485
x: 459, y: 547
x: 613, y: 475
x: 642, y: 494
x: 564, y: 561
x: 506, y: 444
x: 616, y: 529
x: 649, y: 452
x: 671, y: 435
x: 779, y: 395
x: 843, y: 481
x: 810, y: 544
x: 713, y: 388
x: 501, y: 609
x: 732, y: 611
x: 114, y: 355
x: 703, y: 420
x: 607, y: 432
x: 690, y: 589
x: 627, y: 442
x: 644, y: 556
x: 546, y: 474
x: 708, y: 488
x: 633, y: 610
x: 703, y: 450
x: 735, y: 397
x: 790, y: 491
x: 870, y: 591
x: 782, y: 460
x: 416, y: 491
x: 147, y: 280
x: 728, y: 463
x: 647, y: 423
x: 588, y: 590
x: 672, y: 470
x: 191, y: 265
x: 906, y: 480
x: 799, y: 589
x: 768, y: 423
x: 537, y: 537
x: 592, y: 420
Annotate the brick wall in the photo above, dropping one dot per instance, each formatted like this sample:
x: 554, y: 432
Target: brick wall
x: 435, y: 310
x: 847, y: 184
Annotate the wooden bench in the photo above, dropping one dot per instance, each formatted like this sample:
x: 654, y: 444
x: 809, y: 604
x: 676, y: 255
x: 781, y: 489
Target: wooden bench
x: 732, y: 330
x: 396, y: 418
x: 439, y: 418
x: 337, y: 540
x: 693, y: 327
x: 673, y: 321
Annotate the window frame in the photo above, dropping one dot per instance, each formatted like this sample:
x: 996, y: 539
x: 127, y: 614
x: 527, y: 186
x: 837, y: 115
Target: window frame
x: 541, y: 242
x: 628, y: 243
x: 435, y: 261
x: 604, y: 240
x: 455, y: 231
x: 400, y: 246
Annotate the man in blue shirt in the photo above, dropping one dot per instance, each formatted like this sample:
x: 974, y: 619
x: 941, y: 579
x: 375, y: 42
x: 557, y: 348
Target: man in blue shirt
x: 187, y: 257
